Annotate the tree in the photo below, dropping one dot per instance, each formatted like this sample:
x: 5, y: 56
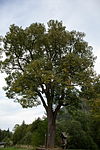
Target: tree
x: 81, y: 127
x: 95, y: 112
x: 19, y: 133
x: 6, y: 136
x: 46, y: 65
x: 32, y: 134
x: 39, y: 128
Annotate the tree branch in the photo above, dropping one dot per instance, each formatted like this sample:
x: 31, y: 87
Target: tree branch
x: 19, y: 62
x: 31, y: 54
x: 57, y: 109
x: 42, y: 99
x: 20, y: 65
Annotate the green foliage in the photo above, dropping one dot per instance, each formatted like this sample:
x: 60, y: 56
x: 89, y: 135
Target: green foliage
x: 19, y: 133
x: 6, y: 136
x: 79, y: 138
x: 27, y: 138
x: 80, y: 127
x: 33, y: 134
x: 39, y: 129
x: 95, y: 126
x: 96, y: 131
x: 36, y: 58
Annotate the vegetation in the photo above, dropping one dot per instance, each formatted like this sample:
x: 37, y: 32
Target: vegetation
x: 6, y: 136
x: 51, y: 66
x: 12, y: 148
x: 33, y: 134
x: 81, y: 125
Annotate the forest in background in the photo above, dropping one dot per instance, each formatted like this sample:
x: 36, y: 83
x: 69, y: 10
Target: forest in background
x: 81, y: 125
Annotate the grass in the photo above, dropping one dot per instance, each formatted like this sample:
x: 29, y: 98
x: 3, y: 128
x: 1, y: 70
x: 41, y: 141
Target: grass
x: 13, y: 148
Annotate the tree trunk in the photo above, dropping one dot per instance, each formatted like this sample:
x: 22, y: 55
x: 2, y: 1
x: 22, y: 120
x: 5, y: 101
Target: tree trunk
x: 51, y: 129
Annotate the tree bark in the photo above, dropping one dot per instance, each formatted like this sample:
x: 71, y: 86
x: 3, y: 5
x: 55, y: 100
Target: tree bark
x: 51, y: 129
x: 51, y: 116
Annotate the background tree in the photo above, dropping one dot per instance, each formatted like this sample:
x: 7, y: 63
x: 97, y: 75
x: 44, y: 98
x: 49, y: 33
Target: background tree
x: 46, y: 66
x: 6, y: 136
x: 95, y: 112
x: 32, y: 134
x: 80, y: 128
x: 19, y: 133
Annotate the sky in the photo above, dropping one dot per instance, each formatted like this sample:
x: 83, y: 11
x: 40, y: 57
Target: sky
x: 79, y: 15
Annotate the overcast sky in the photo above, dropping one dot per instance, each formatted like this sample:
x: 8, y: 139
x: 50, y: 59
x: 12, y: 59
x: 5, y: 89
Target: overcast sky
x: 79, y: 15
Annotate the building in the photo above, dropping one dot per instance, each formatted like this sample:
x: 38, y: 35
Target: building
x: 2, y: 144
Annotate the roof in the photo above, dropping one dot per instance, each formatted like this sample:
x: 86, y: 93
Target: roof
x: 2, y: 143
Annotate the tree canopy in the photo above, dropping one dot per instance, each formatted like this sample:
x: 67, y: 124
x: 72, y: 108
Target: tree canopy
x: 50, y: 62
